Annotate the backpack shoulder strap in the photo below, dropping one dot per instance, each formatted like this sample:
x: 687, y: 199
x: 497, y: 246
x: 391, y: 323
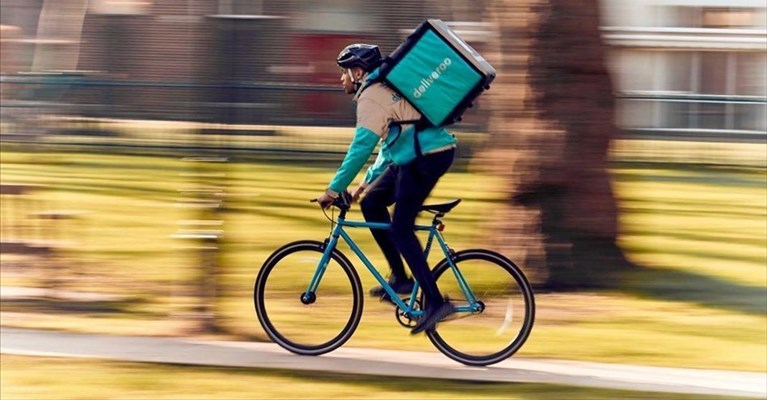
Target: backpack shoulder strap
x: 379, y: 74
x: 420, y: 124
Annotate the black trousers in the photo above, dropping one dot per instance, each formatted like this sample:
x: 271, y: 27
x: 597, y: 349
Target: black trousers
x: 408, y: 186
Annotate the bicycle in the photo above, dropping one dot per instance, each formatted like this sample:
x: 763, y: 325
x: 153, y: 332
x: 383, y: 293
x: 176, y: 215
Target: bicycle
x: 308, y: 297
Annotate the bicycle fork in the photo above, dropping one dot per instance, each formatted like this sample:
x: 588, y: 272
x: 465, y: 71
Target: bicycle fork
x: 309, y: 296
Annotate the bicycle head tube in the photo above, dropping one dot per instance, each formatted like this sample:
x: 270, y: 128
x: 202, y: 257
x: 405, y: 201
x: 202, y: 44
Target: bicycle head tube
x: 343, y: 202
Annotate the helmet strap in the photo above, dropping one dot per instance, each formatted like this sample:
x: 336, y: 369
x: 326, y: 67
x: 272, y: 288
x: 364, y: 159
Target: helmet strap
x: 351, y: 76
x: 357, y: 83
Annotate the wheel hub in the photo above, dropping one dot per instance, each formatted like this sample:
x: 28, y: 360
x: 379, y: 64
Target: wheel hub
x: 308, y: 298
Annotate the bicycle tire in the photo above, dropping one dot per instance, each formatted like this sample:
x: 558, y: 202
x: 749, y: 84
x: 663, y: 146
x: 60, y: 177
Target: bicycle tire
x: 312, y: 249
x: 506, y: 267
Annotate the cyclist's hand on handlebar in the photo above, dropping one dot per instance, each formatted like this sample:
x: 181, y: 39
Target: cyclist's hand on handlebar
x: 326, y: 200
x: 358, y: 192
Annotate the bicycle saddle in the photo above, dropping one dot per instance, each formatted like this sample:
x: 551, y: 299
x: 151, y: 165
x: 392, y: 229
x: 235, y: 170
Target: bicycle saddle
x: 442, y: 208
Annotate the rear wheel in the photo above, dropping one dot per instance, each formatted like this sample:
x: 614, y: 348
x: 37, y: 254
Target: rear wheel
x: 308, y: 323
x: 505, y: 309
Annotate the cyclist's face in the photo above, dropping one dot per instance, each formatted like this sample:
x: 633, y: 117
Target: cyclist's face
x: 346, y: 81
x: 346, y: 78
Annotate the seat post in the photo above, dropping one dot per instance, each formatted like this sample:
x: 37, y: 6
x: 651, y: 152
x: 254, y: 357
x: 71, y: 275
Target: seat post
x: 437, y: 219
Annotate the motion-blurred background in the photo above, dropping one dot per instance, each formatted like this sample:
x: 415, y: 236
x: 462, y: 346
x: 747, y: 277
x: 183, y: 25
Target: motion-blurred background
x: 154, y: 153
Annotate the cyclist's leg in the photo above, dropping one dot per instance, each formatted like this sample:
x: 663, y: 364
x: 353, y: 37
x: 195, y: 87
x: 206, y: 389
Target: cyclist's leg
x: 414, y: 183
x: 375, y: 209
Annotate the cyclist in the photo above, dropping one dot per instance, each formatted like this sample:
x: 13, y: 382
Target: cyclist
x: 404, y: 173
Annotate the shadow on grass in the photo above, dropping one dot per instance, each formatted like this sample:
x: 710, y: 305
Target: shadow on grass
x: 706, y: 237
x: 697, y: 253
x: 70, y: 306
x: 673, y: 285
x: 734, y: 211
x: 708, y: 177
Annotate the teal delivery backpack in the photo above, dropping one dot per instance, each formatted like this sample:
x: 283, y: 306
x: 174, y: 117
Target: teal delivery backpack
x: 437, y: 72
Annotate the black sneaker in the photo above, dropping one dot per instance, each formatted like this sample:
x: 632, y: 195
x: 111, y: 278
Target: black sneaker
x: 432, y: 316
x: 399, y: 286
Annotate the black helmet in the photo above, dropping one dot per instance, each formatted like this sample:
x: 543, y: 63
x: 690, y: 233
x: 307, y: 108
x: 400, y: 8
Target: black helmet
x: 365, y: 56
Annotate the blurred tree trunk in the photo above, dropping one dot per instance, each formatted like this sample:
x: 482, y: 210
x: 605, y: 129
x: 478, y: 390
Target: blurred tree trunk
x: 553, y: 119
x: 59, y: 29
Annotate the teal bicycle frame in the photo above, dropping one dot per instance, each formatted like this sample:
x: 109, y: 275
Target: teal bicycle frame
x: 434, y: 232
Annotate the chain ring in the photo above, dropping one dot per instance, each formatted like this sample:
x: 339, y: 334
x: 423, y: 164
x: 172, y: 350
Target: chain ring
x: 403, y: 319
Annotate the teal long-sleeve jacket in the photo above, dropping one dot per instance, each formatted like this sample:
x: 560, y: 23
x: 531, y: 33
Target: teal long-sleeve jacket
x: 378, y: 107
x: 361, y: 148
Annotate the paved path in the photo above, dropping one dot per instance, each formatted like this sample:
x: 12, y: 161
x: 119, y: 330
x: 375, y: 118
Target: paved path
x: 380, y: 363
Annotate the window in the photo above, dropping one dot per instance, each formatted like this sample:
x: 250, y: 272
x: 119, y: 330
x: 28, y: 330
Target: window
x: 711, y: 17
x: 713, y: 73
x: 751, y: 74
x: 729, y: 18
x: 711, y: 116
x: 674, y: 114
x: 636, y: 70
x: 674, y: 72
x: 681, y: 17
x: 240, y: 7
x: 711, y: 90
x: 750, y: 117
x: 635, y: 114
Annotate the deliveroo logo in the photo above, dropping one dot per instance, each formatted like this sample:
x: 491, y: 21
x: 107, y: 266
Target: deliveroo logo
x: 428, y: 80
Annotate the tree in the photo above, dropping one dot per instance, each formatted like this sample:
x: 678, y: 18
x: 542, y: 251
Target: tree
x: 553, y: 119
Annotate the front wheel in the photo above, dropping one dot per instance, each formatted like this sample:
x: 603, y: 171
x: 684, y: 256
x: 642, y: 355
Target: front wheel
x: 308, y: 323
x: 503, y: 313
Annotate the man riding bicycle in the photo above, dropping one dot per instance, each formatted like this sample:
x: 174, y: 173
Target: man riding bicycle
x: 404, y: 173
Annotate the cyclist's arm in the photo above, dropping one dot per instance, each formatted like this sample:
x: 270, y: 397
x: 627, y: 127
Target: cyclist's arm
x: 359, y: 151
x: 376, y: 169
x: 371, y: 125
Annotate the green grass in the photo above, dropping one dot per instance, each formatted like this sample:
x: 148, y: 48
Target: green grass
x: 51, y: 378
x: 700, y: 235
